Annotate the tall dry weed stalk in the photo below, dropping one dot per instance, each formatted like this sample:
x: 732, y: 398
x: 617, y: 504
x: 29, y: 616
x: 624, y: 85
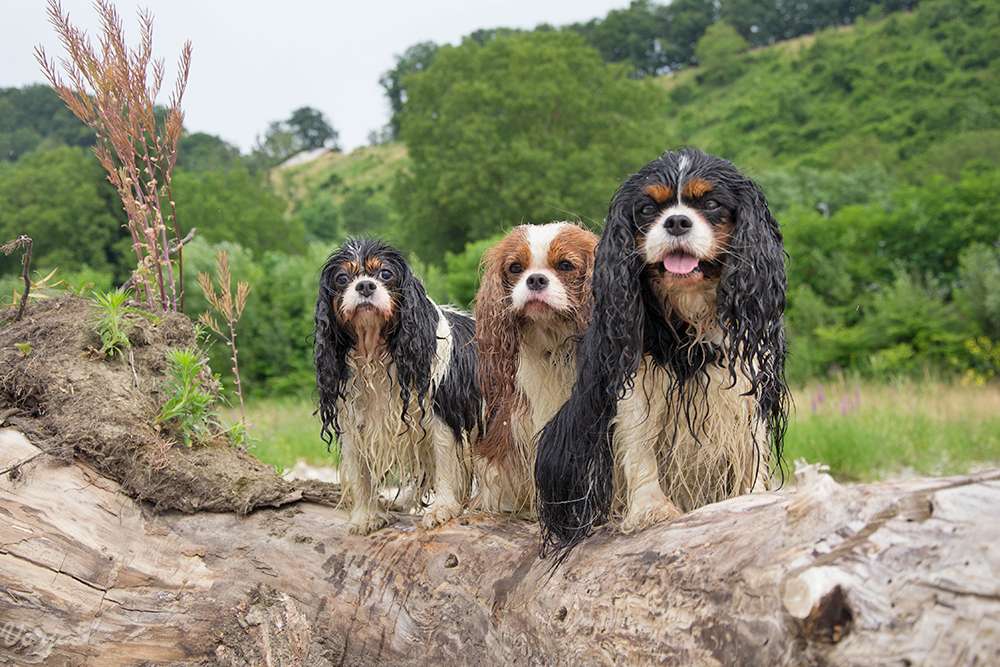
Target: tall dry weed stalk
x: 229, y: 306
x: 110, y: 90
x: 25, y: 242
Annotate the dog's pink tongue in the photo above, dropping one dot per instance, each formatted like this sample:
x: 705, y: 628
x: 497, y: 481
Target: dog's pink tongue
x: 680, y: 263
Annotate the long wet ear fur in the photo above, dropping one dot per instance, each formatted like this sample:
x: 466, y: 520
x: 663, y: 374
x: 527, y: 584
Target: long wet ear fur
x: 575, y: 464
x: 498, y: 340
x: 412, y: 342
x: 751, y: 302
x: 331, y: 345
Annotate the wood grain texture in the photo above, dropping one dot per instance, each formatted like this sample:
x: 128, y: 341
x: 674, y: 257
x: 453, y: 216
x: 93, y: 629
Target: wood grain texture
x: 881, y: 574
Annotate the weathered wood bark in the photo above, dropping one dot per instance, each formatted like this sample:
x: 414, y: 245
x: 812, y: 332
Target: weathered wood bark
x: 883, y: 574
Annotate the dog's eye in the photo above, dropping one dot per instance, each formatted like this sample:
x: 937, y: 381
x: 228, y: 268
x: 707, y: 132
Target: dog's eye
x: 566, y: 265
x: 711, y: 205
x: 342, y: 279
x: 385, y: 274
x: 648, y: 209
x: 515, y: 268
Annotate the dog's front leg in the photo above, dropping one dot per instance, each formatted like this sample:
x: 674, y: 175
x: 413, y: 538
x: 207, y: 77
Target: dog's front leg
x: 450, y: 475
x: 638, y: 427
x: 367, y: 512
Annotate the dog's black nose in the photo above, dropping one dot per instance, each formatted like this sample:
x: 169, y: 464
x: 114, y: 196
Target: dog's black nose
x: 537, y: 282
x: 366, y: 287
x: 678, y: 225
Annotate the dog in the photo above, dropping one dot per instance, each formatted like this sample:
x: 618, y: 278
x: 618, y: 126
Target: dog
x: 534, y: 295
x: 397, y: 384
x: 680, y: 399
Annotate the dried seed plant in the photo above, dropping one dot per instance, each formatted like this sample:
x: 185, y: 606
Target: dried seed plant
x: 110, y: 90
x: 229, y: 306
x: 9, y: 247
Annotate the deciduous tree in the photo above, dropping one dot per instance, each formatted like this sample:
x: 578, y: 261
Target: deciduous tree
x: 526, y: 127
x: 417, y: 58
x: 62, y: 199
x: 312, y: 129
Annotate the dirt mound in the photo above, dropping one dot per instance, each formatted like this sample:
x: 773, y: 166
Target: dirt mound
x: 72, y: 401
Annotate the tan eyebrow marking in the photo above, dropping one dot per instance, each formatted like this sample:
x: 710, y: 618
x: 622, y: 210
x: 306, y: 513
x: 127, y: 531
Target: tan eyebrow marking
x: 696, y: 187
x: 660, y: 193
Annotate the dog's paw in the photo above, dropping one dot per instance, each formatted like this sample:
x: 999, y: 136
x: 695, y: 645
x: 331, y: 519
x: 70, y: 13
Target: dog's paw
x: 364, y: 523
x: 643, y: 517
x: 440, y: 513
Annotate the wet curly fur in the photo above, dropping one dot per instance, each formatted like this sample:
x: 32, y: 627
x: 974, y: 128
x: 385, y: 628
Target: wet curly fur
x: 534, y: 297
x: 397, y: 381
x: 680, y: 398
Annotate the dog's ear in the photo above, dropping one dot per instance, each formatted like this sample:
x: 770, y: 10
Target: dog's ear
x: 586, y: 305
x: 331, y: 345
x: 751, y: 304
x: 498, y: 341
x: 412, y: 342
x: 575, y: 463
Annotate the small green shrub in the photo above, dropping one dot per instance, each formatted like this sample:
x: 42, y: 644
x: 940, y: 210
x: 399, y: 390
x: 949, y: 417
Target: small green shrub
x: 112, y: 322
x: 188, y: 402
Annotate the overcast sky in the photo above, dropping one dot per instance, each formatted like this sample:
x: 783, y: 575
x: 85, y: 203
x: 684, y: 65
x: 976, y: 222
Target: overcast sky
x: 254, y: 63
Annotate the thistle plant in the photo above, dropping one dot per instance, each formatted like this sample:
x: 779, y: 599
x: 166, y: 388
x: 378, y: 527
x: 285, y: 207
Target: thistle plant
x: 230, y: 307
x: 110, y: 91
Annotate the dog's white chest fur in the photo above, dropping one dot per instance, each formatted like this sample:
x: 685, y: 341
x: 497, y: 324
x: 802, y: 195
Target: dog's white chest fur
x: 373, y: 410
x: 546, y: 371
x: 706, y: 449
x: 545, y: 374
x: 376, y: 440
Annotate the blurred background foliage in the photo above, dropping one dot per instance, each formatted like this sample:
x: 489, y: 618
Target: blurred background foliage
x: 873, y: 127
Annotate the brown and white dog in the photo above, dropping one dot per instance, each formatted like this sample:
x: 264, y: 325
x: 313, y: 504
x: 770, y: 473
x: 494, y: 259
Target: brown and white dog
x: 397, y: 384
x: 535, y: 294
x: 680, y: 398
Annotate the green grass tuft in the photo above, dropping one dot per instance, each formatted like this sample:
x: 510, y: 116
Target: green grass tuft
x: 286, y: 431
x: 868, y: 432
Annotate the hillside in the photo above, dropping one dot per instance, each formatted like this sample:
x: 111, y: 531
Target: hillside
x: 914, y: 91
x: 337, y: 175
x: 339, y: 194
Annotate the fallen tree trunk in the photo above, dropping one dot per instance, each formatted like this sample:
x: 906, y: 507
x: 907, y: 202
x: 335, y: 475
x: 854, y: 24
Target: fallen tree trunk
x: 900, y: 573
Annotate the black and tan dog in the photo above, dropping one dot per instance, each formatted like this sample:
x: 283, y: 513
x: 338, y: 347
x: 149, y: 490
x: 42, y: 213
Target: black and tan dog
x: 397, y: 384
x: 680, y: 398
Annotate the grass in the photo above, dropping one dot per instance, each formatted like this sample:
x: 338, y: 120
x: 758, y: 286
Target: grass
x: 864, y: 431
x: 284, y: 431
x: 339, y: 174
x: 867, y: 432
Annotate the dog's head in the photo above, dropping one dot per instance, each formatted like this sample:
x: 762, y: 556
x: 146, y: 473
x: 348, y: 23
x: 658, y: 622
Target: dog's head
x: 683, y: 211
x: 363, y: 282
x: 537, y: 275
x: 370, y: 304
x: 703, y: 255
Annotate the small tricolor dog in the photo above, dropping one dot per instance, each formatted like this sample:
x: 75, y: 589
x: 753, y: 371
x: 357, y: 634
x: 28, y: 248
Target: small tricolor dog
x: 397, y: 384
x: 534, y: 295
x: 680, y: 398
